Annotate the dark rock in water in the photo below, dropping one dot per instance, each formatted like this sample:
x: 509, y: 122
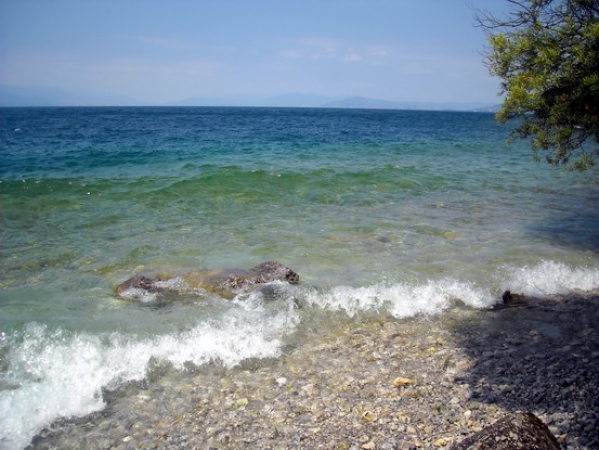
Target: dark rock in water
x: 226, y: 283
x: 510, y: 297
x: 519, y: 431
x: 139, y: 282
x: 511, y: 300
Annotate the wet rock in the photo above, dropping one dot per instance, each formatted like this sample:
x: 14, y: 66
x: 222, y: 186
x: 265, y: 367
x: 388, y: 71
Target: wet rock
x: 519, y: 431
x: 226, y: 283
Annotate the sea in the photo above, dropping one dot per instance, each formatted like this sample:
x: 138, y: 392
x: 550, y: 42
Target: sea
x: 380, y: 212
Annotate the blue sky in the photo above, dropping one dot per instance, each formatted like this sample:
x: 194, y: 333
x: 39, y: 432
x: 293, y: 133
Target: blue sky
x: 244, y: 51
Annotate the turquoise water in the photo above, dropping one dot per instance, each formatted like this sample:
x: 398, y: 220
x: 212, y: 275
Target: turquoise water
x: 400, y: 211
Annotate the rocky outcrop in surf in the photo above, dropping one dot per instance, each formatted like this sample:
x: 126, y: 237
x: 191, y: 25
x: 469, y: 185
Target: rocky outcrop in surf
x: 224, y: 282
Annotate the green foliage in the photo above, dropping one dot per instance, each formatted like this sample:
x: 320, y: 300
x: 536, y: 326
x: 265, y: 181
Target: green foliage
x: 546, y: 52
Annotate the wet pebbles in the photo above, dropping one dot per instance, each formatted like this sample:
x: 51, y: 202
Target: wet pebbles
x: 372, y: 383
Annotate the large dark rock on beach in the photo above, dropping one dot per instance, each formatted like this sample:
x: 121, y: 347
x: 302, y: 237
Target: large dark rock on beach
x: 224, y: 282
x: 519, y: 431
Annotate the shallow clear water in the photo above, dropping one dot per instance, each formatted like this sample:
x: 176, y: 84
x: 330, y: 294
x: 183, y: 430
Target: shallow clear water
x: 399, y: 211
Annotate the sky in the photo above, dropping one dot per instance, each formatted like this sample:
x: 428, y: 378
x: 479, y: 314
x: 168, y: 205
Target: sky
x: 246, y: 51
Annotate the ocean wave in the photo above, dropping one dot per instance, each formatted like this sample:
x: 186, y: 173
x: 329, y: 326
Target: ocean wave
x: 54, y: 374
x: 403, y: 299
x: 551, y: 278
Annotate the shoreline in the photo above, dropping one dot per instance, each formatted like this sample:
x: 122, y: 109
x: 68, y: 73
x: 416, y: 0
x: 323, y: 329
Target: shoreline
x: 382, y: 383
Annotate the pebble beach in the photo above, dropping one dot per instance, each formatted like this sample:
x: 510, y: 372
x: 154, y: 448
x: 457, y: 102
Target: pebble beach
x: 372, y: 383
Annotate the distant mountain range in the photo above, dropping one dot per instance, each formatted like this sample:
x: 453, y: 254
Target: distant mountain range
x: 361, y: 102
x: 40, y: 96
x: 321, y: 101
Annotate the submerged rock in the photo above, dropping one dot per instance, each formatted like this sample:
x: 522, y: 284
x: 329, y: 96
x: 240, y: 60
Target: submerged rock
x: 519, y: 431
x: 223, y: 282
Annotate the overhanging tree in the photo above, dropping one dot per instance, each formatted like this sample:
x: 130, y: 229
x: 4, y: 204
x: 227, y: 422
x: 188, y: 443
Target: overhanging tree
x: 546, y: 53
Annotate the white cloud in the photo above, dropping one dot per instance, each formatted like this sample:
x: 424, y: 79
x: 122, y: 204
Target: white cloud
x: 294, y: 54
x: 378, y: 50
x: 166, y: 43
x: 325, y: 48
x: 415, y: 67
x: 352, y: 57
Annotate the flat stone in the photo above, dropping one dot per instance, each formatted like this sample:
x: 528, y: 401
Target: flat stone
x: 401, y: 381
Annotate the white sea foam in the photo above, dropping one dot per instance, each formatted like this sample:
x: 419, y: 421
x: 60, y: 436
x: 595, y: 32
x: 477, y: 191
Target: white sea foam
x: 55, y: 374
x: 138, y: 294
x: 401, y: 299
x: 144, y: 296
x: 404, y: 299
x: 550, y: 278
